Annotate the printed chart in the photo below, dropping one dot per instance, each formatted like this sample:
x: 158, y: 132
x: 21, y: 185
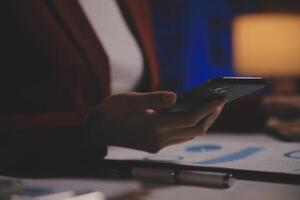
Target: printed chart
x: 277, y: 157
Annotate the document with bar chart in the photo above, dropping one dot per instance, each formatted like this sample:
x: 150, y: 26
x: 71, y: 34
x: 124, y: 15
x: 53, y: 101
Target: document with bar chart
x: 269, y: 157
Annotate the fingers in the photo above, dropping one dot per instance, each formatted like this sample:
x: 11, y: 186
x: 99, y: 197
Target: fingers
x: 208, y: 122
x: 189, y: 118
x: 151, y: 100
x: 202, y: 127
x: 130, y: 102
x: 185, y: 134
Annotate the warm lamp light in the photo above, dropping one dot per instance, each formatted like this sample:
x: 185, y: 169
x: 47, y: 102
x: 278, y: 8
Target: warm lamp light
x: 267, y: 45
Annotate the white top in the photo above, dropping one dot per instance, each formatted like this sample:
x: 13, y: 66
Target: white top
x: 124, y: 54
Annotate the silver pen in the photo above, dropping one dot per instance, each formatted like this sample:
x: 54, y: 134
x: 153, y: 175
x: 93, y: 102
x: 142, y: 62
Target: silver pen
x: 185, y: 177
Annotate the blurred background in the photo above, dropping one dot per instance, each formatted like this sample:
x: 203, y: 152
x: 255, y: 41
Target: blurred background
x: 201, y: 40
x: 195, y: 38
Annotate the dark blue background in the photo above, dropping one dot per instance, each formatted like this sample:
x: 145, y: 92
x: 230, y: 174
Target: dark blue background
x: 193, y: 41
x: 194, y: 36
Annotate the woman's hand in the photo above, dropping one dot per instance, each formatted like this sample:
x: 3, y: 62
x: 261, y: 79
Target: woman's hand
x: 134, y: 120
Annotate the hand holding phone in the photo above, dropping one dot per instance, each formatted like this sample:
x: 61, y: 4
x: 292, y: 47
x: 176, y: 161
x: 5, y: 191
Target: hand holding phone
x: 228, y: 88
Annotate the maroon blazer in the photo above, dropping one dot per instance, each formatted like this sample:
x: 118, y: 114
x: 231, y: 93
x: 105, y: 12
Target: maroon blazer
x: 53, y: 70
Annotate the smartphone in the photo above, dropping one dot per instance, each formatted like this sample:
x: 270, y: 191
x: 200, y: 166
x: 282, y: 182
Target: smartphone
x: 229, y: 88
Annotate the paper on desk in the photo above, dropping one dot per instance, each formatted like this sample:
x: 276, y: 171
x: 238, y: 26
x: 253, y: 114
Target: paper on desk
x: 89, y: 196
x: 110, y: 188
x: 52, y: 196
x: 62, y: 196
x: 265, y: 157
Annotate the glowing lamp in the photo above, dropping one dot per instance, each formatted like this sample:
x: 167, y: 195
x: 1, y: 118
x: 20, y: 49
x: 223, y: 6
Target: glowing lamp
x: 267, y: 45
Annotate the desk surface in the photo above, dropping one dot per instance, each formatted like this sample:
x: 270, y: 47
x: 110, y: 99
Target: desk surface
x: 149, y: 191
x: 241, y: 190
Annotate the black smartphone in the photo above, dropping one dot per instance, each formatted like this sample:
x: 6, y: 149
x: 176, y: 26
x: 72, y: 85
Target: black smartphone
x: 230, y: 88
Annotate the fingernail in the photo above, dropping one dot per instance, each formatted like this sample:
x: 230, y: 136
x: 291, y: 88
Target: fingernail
x: 169, y: 98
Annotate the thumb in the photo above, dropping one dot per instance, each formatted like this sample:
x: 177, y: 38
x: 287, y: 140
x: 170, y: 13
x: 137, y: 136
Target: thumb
x: 150, y: 100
